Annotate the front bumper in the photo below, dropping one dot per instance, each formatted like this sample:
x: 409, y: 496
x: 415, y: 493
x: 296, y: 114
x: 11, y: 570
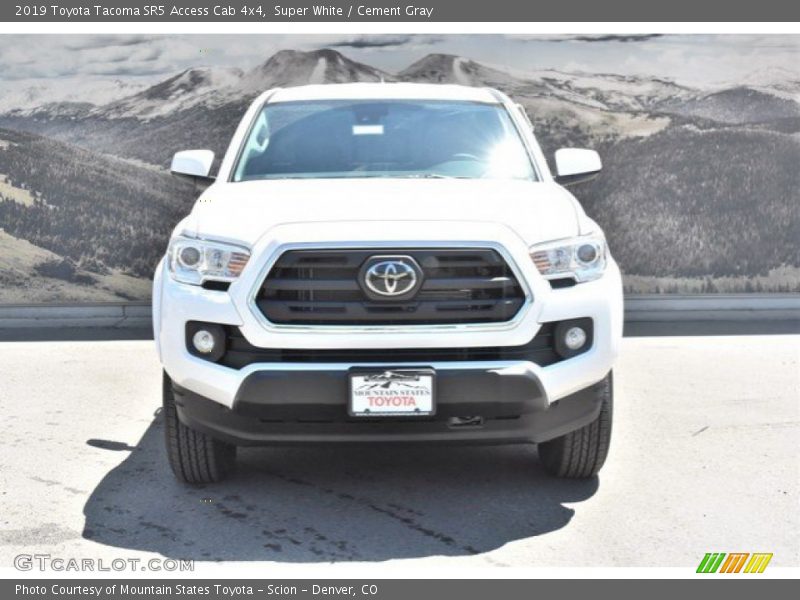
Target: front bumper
x: 283, y: 408
x: 175, y: 304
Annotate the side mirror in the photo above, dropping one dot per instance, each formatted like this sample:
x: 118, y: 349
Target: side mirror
x: 576, y: 165
x: 194, y: 164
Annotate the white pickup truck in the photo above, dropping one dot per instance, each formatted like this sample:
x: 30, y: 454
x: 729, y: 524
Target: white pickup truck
x: 386, y: 262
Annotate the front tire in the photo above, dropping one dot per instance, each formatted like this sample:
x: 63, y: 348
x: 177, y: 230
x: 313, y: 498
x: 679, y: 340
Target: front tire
x: 581, y: 453
x: 195, y: 457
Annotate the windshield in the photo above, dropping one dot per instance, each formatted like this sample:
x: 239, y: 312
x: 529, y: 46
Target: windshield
x: 383, y: 138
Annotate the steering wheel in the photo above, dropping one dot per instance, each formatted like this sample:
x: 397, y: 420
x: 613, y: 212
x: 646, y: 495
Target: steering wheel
x: 465, y: 156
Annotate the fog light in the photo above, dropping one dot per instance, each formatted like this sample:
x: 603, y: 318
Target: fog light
x: 208, y: 341
x: 575, y: 338
x: 203, y: 341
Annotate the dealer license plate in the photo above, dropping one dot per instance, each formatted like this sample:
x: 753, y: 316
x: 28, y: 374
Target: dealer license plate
x: 392, y: 392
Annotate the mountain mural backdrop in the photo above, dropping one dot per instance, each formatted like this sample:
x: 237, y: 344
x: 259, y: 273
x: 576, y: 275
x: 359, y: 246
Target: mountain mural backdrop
x: 699, y: 193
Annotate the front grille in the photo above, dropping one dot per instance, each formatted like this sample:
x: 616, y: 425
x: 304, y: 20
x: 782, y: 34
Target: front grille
x: 322, y: 287
x: 240, y: 353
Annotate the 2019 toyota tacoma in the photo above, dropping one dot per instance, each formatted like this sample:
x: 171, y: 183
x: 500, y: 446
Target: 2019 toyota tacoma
x: 386, y: 262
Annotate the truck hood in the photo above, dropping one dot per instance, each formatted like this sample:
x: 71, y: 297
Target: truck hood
x: 243, y: 212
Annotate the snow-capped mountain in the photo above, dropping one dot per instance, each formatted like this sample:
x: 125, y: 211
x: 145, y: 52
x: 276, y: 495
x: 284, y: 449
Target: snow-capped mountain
x: 219, y: 86
x: 448, y: 68
x: 769, y: 94
x: 597, y: 90
x: 292, y: 67
x: 686, y: 151
x: 613, y: 92
x: 184, y: 90
x: 736, y: 105
x: 586, y: 108
x: 784, y: 83
x: 28, y: 95
x: 769, y: 77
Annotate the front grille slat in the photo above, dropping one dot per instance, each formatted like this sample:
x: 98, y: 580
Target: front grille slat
x: 358, y: 312
x: 291, y: 284
x: 322, y: 287
x: 241, y: 353
x: 468, y: 283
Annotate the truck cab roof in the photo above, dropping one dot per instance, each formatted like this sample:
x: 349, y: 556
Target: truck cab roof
x: 383, y: 91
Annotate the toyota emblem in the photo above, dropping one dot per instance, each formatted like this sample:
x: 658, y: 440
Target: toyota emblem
x: 391, y: 276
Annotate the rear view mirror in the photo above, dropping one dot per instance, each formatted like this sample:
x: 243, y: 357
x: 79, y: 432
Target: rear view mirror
x: 576, y: 165
x: 194, y: 164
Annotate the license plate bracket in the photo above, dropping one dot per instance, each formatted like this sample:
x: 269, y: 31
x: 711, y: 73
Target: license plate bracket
x: 391, y: 392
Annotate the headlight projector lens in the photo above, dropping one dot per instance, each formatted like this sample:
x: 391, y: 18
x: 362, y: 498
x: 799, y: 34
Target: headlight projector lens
x: 587, y: 253
x: 203, y: 342
x: 189, y: 256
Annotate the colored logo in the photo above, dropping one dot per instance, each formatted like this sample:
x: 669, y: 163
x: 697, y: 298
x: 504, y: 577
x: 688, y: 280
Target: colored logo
x: 734, y: 562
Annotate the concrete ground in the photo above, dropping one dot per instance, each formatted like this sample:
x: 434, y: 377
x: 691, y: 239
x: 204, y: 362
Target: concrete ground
x: 704, y: 458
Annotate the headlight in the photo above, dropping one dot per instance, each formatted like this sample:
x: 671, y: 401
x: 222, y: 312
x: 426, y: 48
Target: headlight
x: 583, y: 258
x: 195, y: 261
